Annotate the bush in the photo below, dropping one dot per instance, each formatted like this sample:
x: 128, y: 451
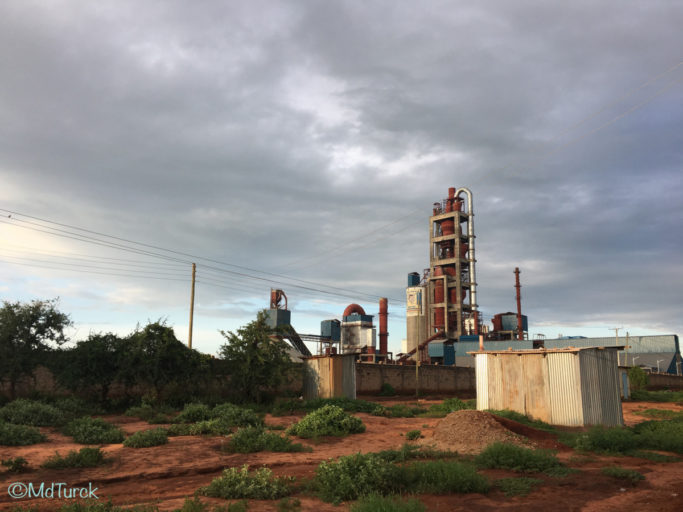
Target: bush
x: 240, y: 483
x: 330, y: 420
x: 413, y: 435
x: 448, y: 406
x: 353, y: 476
x: 445, y: 477
x: 19, y: 435
x: 387, y: 390
x: 15, y: 465
x: 376, y: 503
x: 664, y: 435
x: 256, y: 439
x: 516, y: 486
x: 606, y: 440
x: 73, y: 407
x: 147, y: 438
x: 30, y: 412
x: 637, y: 378
x: 516, y: 458
x: 89, y: 430
x: 84, y: 458
x: 192, y: 413
x: 633, y: 477
x: 236, y: 416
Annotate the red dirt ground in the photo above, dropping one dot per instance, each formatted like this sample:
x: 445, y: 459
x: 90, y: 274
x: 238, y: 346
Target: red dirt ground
x: 166, y: 475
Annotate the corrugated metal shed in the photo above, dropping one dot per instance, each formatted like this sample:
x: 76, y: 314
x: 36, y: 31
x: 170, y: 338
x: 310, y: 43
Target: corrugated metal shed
x: 573, y: 386
x: 330, y: 376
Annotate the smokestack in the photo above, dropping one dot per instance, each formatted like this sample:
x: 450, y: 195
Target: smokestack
x: 383, y: 334
x: 520, y: 331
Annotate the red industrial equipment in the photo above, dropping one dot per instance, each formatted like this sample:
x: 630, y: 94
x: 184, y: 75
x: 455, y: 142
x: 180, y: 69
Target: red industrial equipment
x: 353, y: 308
x: 276, y: 297
x: 383, y: 334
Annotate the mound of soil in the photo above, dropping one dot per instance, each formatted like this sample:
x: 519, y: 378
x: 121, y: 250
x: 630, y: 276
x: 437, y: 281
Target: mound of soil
x: 469, y: 432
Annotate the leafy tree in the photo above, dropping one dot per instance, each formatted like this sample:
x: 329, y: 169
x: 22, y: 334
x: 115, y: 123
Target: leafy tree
x: 155, y: 357
x: 255, y: 361
x: 637, y: 378
x: 26, y: 331
x: 93, y: 364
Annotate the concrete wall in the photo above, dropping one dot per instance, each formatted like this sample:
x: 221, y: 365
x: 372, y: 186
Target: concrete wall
x: 664, y: 381
x: 432, y: 379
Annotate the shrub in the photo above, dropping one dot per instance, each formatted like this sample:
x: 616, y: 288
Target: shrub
x: 448, y: 406
x: 15, y: 465
x: 376, y: 503
x: 387, y: 390
x: 330, y: 420
x: 236, y: 416
x: 192, y: 413
x: 240, y: 483
x: 19, y: 435
x: 30, y: 412
x: 353, y: 476
x: 633, y: 477
x: 256, y: 439
x: 413, y: 435
x: 516, y: 486
x: 637, y: 378
x: 516, y: 458
x: 87, y: 430
x: 445, y: 477
x: 606, y: 440
x: 147, y: 438
x: 664, y: 435
x: 73, y: 407
x: 84, y: 458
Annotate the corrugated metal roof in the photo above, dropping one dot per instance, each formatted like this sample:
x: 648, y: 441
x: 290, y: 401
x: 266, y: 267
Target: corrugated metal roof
x: 544, y: 351
x: 657, y: 343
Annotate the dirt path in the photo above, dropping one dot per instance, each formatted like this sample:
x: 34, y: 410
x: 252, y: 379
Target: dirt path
x: 165, y: 475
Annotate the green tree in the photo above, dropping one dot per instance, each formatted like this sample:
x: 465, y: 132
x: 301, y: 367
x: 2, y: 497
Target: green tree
x: 256, y: 361
x: 93, y: 364
x: 637, y: 378
x: 26, y: 333
x: 155, y: 357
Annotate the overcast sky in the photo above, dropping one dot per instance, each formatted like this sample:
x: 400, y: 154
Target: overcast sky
x: 309, y: 139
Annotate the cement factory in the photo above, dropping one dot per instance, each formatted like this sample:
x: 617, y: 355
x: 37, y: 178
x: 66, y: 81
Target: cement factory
x: 443, y: 322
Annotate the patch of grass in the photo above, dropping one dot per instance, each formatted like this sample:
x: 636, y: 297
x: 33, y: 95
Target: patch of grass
x: 606, y: 440
x: 214, y: 427
x: 516, y: 458
x: 19, y: 435
x: 256, y: 439
x: 289, y: 505
x: 87, y: 430
x: 653, y: 456
x: 377, y: 503
x: 412, y: 452
x: 329, y: 420
x: 237, y: 483
x: 398, y: 411
x: 347, y: 404
x: 523, y: 419
x: 413, y: 435
x: 657, y: 396
x: 147, y: 438
x: 84, y: 458
x: 387, y: 390
x: 448, y: 406
x: 31, y: 412
x: 630, y: 475
x: 195, y: 505
x: 193, y: 413
x: 444, y: 477
x: 16, y: 465
x: 660, y: 414
x: 665, y: 435
x: 560, y: 471
x: 516, y: 486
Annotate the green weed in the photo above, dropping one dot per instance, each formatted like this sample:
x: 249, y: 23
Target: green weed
x: 256, y: 439
x: 329, y: 420
x: 413, y: 435
x: 16, y: 465
x: 377, y: 503
x: 289, y: 505
x: 30, y: 412
x: 444, y: 477
x: 516, y: 458
x: 87, y: 430
x: 516, y: 486
x: 147, y: 438
x: 660, y: 414
x: 448, y: 406
x: 237, y: 483
x: 633, y: 477
x: 84, y: 458
x: 192, y: 413
x: 19, y: 435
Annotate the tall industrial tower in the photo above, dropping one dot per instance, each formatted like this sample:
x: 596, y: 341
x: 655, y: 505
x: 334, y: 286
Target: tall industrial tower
x: 452, y: 287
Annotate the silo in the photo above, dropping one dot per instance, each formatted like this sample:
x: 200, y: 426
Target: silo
x: 415, y: 316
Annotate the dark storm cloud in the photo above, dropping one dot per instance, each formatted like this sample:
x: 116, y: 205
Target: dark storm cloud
x: 264, y: 133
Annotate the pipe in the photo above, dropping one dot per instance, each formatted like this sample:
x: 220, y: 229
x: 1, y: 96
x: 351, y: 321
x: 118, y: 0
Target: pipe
x: 383, y: 334
x: 520, y: 327
x: 353, y: 308
x: 470, y: 243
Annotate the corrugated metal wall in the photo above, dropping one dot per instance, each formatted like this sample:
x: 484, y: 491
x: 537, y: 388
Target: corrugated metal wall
x: 562, y: 388
x: 658, y: 343
x: 328, y: 377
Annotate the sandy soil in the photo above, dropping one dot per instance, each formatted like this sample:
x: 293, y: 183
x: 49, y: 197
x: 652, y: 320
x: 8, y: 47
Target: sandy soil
x: 165, y: 475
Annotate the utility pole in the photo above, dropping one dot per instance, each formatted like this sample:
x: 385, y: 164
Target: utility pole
x: 520, y: 328
x: 616, y: 335
x: 194, y: 274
